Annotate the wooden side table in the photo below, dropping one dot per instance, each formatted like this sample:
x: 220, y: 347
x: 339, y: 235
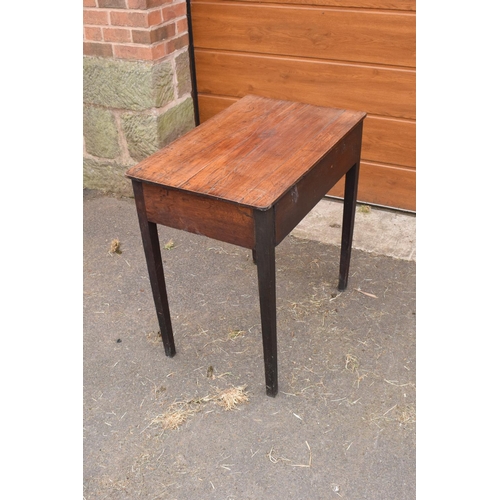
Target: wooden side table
x: 248, y: 176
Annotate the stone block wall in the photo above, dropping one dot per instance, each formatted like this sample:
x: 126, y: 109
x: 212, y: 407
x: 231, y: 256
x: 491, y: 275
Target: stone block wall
x: 136, y: 85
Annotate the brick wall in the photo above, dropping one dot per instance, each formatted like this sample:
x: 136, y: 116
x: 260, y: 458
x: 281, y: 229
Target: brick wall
x: 143, y: 30
x: 137, y: 85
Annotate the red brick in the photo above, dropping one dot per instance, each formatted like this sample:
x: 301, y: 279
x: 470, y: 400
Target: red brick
x: 180, y: 8
x: 89, y: 3
x: 157, y: 3
x: 133, y: 52
x: 155, y: 35
x: 146, y: 4
x: 93, y: 33
x: 159, y: 51
x: 117, y: 35
x: 173, y: 11
x: 178, y: 43
x: 112, y: 4
x: 134, y: 19
x: 155, y: 17
x: 181, y: 25
x: 141, y: 36
x: 95, y: 17
x: 137, y: 4
x: 97, y: 49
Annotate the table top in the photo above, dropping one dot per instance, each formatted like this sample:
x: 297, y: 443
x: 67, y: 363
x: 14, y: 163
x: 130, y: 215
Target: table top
x: 251, y: 153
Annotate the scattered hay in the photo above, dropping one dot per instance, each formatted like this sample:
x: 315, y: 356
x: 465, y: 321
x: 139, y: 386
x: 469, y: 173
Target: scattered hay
x: 169, y: 245
x: 366, y: 293
x: 234, y: 334
x: 108, y: 483
x: 211, y: 374
x: 310, y: 458
x: 405, y: 414
x: 317, y: 303
x: 230, y: 398
x: 159, y: 390
x: 179, y: 412
x: 275, y: 459
x: 351, y: 363
x: 115, y: 247
x: 402, y: 414
x: 364, y: 209
x: 154, y: 337
x: 175, y: 416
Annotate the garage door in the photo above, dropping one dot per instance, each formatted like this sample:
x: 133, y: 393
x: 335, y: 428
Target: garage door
x: 355, y: 54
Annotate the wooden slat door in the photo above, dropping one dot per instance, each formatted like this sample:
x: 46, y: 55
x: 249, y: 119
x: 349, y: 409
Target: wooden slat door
x: 353, y: 54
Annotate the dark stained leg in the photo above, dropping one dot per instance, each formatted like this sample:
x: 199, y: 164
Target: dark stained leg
x: 266, y: 272
x: 254, y: 256
x: 350, y: 195
x: 152, y: 252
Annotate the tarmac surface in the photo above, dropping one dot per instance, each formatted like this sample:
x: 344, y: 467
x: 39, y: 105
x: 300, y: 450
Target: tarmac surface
x: 344, y: 421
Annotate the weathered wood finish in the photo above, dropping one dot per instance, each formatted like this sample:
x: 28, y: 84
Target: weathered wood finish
x: 385, y: 140
x: 251, y: 163
x: 305, y: 194
x: 350, y: 54
x: 247, y: 177
x: 200, y: 215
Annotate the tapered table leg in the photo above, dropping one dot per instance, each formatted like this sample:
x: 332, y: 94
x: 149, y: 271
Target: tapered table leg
x: 350, y: 195
x: 152, y: 252
x: 266, y: 272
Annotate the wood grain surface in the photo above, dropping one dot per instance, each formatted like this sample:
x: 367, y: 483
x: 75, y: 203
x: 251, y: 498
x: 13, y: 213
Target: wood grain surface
x: 216, y: 219
x: 350, y: 54
x: 400, y: 5
x: 367, y: 36
x: 385, y: 140
x: 381, y: 91
x: 383, y: 185
x: 251, y: 153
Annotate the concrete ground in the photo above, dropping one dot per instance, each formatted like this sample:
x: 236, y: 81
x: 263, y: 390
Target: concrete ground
x: 343, y: 423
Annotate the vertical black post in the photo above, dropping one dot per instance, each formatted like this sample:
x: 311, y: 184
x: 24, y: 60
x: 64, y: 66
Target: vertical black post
x: 266, y: 272
x: 350, y: 195
x: 192, y: 66
x: 152, y: 252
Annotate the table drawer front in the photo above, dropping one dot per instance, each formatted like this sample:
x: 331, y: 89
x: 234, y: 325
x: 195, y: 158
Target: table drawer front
x: 216, y: 219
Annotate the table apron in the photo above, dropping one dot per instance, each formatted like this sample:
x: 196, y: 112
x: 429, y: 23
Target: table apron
x: 218, y: 219
x: 308, y: 191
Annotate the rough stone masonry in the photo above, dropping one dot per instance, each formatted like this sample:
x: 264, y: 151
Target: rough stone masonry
x: 130, y: 110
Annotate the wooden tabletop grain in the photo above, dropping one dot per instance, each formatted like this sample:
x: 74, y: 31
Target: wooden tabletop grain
x: 251, y: 153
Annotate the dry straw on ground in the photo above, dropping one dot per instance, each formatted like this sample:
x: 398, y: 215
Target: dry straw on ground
x: 115, y: 247
x: 178, y: 412
x: 230, y: 398
x: 351, y: 363
x: 175, y: 416
x: 273, y: 458
x: 402, y: 414
x: 169, y: 245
